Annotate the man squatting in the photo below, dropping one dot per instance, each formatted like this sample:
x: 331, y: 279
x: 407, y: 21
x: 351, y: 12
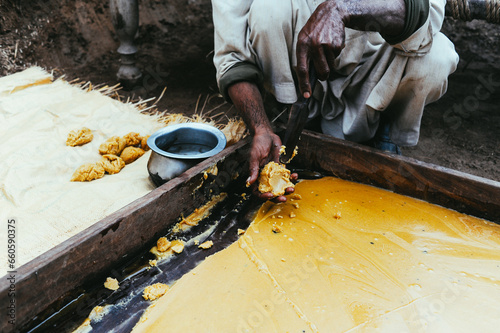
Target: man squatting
x: 379, y: 63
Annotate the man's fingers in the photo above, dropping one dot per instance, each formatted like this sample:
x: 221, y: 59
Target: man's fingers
x: 330, y: 58
x: 275, y: 151
x: 279, y: 199
x: 320, y: 63
x: 289, y: 190
x: 254, y: 171
x: 303, y: 59
x: 266, y: 196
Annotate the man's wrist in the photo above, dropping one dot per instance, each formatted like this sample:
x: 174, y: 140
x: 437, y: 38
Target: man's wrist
x: 376, y: 15
x: 343, y: 10
x: 263, y: 129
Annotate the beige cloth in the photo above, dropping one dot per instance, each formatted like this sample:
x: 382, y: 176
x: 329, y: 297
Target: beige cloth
x: 36, y: 165
x: 371, y: 75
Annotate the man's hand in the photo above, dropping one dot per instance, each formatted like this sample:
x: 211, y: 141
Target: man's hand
x: 323, y: 36
x: 321, y: 40
x: 265, y: 148
x: 266, y: 145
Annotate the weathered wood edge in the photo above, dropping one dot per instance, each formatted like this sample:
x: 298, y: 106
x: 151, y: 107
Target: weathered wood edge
x: 49, y: 277
x: 449, y: 188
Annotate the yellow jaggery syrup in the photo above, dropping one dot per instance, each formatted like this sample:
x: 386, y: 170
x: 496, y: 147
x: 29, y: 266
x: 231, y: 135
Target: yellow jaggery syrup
x: 354, y: 258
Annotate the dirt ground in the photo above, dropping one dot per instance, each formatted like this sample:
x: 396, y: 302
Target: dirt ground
x: 76, y: 39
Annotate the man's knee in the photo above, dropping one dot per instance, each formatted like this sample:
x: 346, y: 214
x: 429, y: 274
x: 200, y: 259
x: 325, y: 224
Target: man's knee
x: 433, y: 69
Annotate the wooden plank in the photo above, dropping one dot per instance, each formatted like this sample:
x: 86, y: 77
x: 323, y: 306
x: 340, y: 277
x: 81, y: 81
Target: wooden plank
x: 445, y: 187
x: 47, y: 279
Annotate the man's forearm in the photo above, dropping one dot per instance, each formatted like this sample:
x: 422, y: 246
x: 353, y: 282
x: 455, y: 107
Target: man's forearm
x: 247, y: 99
x: 266, y: 144
x: 383, y: 16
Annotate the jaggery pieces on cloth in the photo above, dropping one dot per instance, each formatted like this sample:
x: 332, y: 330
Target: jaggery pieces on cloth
x: 36, y: 115
x: 144, y: 142
x: 132, y: 139
x: 114, y: 145
x: 130, y: 154
x: 274, y: 178
x: 128, y: 143
x: 88, y: 172
x: 111, y: 163
x: 79, y: 137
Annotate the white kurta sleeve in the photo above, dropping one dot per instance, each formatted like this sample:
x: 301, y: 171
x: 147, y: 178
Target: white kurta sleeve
x: 231, y: 45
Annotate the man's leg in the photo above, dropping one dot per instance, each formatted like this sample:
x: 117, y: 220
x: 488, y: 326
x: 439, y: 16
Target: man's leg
x: 425, y: 81
x: 391, y: 88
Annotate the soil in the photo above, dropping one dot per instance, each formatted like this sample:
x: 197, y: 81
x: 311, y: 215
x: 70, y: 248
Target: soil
x: 77, y: 39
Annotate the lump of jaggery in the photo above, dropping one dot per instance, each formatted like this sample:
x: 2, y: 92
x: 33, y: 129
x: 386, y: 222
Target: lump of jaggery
x: 274, y: 178
x: 88, y: 172
x: 206, y: 245
x: 155, y: 291
x: 144, y: 142
x: 111, y: 284
x: 79, y: 137
x: 169, y: 248
x: 163, y: 244
x: 177, y: 246
x: 111, y: 163
x: 132, y: 139
x: 130, y: 154
x: 113, y: 145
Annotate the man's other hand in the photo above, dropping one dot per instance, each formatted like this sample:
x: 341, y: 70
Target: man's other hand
x: 321, y: 40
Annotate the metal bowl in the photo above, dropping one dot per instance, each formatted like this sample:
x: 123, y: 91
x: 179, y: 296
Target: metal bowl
x: 177, y: 148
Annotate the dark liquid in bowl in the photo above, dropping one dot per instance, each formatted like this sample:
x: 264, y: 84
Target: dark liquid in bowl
x: 188, y: 148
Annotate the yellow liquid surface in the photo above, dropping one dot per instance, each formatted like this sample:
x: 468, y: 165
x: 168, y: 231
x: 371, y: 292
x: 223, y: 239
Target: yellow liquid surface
x: 353, y: 259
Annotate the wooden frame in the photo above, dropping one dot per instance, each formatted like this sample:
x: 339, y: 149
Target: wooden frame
x: 48, y: 279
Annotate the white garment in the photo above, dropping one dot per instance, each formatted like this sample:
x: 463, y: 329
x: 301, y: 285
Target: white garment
x: 370, y: 76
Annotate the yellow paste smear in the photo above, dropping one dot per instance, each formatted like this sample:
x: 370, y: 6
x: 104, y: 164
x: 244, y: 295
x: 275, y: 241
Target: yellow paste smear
x: 39, y: 82
x: 199, y: 213
x: 96, y: 315
x: 355, y: 258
